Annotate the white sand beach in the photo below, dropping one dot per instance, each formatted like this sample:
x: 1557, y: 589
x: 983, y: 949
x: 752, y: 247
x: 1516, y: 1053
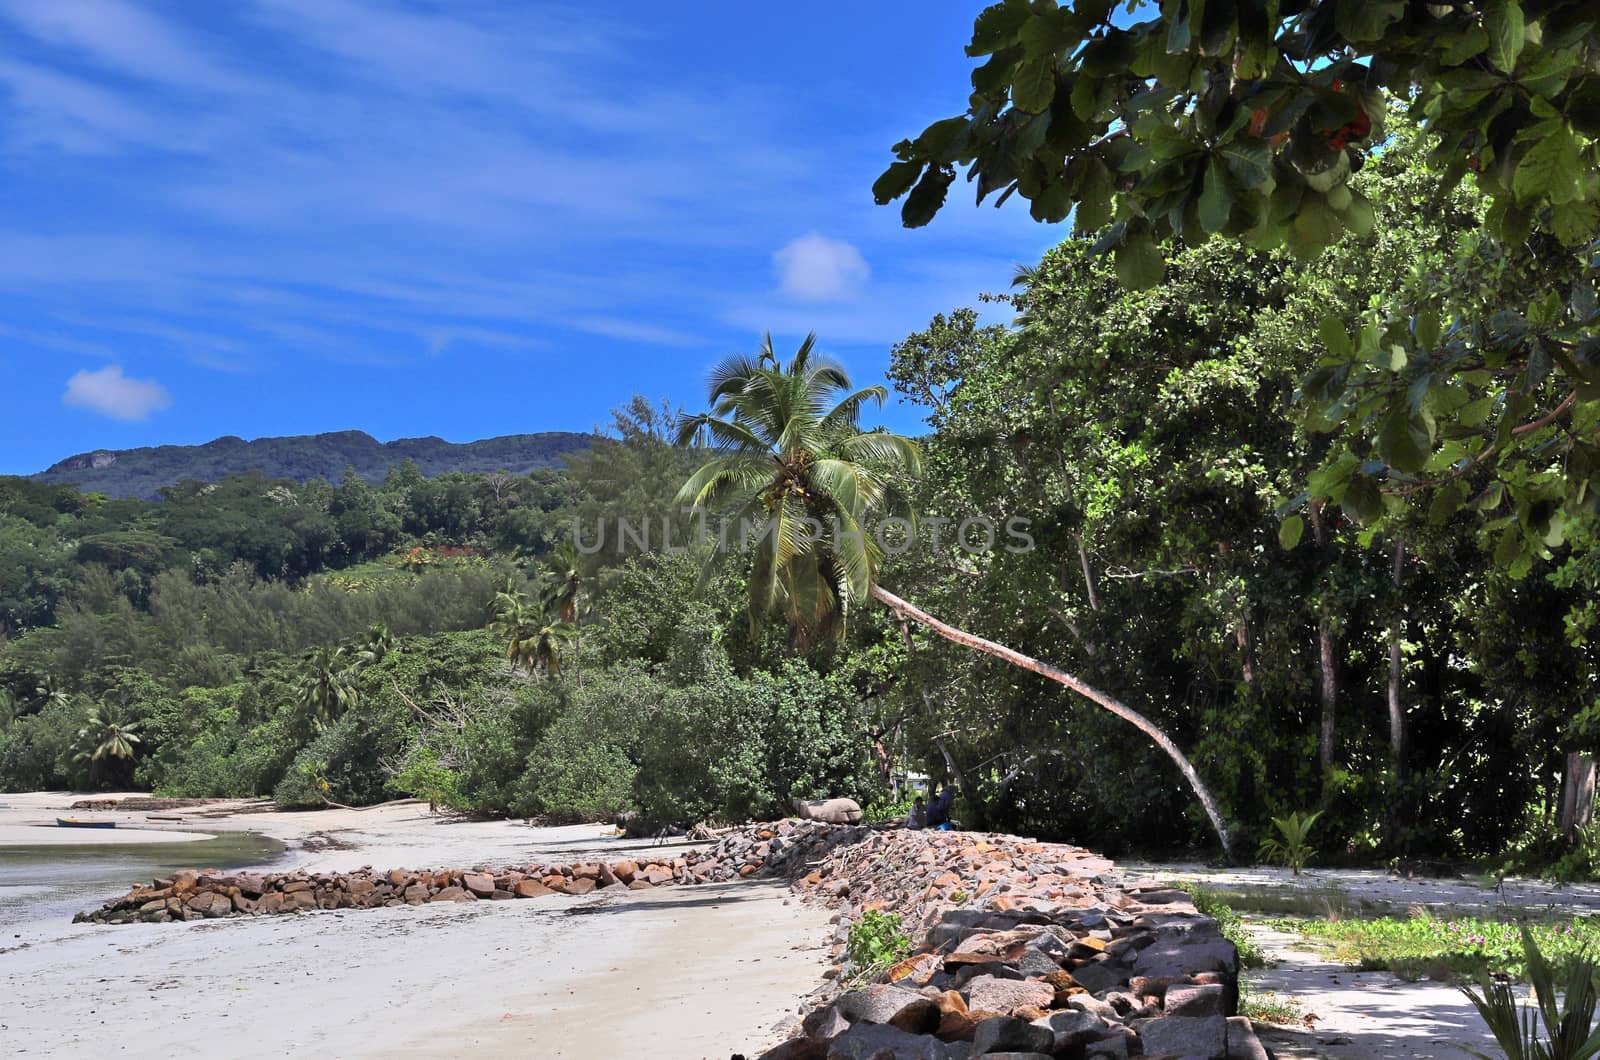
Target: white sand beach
x: 689, y: 972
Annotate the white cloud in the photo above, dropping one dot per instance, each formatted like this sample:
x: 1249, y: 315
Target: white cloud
x: 815, y: 268
x: 113, y: 394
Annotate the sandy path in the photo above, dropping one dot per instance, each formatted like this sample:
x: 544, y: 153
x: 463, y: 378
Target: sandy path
x: 1363, y: 1015
x: 1383, y: 892
x: 683, y: 973
x: 1370, y: 1015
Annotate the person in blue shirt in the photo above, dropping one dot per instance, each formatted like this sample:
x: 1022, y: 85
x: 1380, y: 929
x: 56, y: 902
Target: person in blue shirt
x: 939, y: 808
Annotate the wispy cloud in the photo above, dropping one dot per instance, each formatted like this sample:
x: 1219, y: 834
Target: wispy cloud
x: 124, y: 39
x: 110, y: 393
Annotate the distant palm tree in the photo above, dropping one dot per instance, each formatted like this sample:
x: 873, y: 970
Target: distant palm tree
x: 105, y: 735
x: 325, y: 691
x: 47, y: 693
x: 563, y: 587
x: 372, y: 648
x: 534, y: 640
x: 787, y: 449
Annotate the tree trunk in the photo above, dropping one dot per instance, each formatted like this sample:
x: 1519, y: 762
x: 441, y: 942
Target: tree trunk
x: 1397, y: 716
x: 1328, y: 686
x: 1247, y: 648
x: 1088, y: 575
x: 1043, y: 669
x: 1577, y: 793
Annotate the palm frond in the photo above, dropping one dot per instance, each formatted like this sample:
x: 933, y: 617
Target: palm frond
x: 880, y: 447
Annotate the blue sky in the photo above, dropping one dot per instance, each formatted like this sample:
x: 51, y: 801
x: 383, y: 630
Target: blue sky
x: 271, y: 217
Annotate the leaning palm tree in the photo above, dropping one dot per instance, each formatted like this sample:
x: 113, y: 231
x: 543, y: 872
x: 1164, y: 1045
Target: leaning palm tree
x: 325, y: 690
x: 789, y: 457
x: 786, y: 449
x: 105, y: 735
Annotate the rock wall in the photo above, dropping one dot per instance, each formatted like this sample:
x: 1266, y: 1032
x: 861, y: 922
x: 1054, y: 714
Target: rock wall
x: 199, y: 893
x: 1023, y: 949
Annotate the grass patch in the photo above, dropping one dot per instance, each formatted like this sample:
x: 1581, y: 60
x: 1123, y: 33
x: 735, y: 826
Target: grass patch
x: 1269, y: 1007
x: 1215, y: 906
x: 1427, y: 947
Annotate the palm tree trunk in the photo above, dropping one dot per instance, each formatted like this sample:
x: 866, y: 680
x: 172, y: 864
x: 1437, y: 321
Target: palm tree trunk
x: 1328, y: 686
x: 1397, y: 717
x: 1043, y: 669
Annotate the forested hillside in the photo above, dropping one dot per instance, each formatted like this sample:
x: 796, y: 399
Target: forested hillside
x: 145, y: 472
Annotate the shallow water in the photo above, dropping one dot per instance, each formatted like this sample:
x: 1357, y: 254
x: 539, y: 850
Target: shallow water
x: 49, y: 882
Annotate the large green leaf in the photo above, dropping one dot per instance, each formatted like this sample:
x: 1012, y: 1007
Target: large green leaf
x: 895, y: 181
x: 1290, y: 531
x: 1216, y: 201
x: 1504, y: 22
x: 1403, y: 439
x: 1140, y: 263
x: 1551, y: 169
x: 1366, y: 20
x: 998, y: 26
x: 1035, y: 84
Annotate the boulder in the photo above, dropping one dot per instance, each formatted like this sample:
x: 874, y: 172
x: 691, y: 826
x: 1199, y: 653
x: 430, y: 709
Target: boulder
x: 1072, y: 1028
x: 1186, y: 956
x: 1242, y: 1041
x: 869, y: 1041
x: 1003, y: 1034
x: 892, y: 1005
x: 1203, y: 1000
x: 1100, y: 975
x: 1186, y: 1036
x: 479, y: 884
x: 986, y: 993
x: 531, y: 889
x: 831, y: 811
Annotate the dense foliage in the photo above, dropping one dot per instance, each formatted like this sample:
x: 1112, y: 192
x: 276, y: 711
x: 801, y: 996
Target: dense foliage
x: 1398, y: 678
x: 440, y: 637
x: 1475, y: 375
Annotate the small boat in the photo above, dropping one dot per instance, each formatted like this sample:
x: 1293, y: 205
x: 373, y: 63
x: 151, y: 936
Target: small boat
x: 75, y: 822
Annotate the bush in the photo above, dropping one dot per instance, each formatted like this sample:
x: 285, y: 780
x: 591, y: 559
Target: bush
x: 424, y: 778
x: 875, y: 942
x: 36, y: 751
x: 577, y: 772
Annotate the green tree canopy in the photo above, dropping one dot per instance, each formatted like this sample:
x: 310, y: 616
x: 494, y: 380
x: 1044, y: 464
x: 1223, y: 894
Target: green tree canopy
x: 1248, y: 119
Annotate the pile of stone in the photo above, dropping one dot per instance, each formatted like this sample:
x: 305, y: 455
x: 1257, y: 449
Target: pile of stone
x: 194, y: 895
x: 1027, y: 950
x: 1134, y: 972
x: 741, y: 854
x: 143, y: 803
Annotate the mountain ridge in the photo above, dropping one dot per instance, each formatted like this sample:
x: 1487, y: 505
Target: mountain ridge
x: 145, y: 470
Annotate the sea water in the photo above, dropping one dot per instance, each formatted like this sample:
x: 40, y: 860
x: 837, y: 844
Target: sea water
x: 55, y: 882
